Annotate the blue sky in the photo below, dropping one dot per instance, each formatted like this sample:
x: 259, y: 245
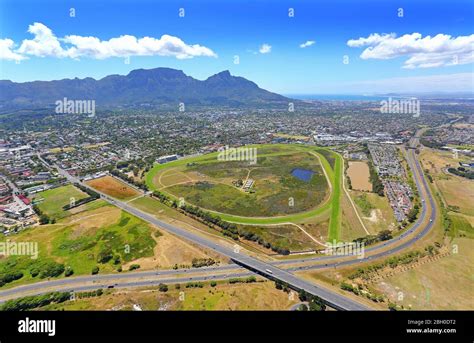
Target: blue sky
x: 225, y: 29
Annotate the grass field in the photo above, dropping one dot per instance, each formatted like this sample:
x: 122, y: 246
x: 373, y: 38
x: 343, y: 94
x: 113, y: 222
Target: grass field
x: 445, y: 284
x: 375, y: 211
x: 460, y: 226
x: 224, y: 296
x: 113, y: 187
x: 457, y: 192
x: 80, y: 240
x: 210, y: 185
x: 327, y: 158
x: 56, y: 198
x: 284, y: 236
x: 61, y: 150
x: 335, y: 220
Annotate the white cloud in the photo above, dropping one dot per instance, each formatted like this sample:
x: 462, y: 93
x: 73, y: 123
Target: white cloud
x: 373, y: 39
x: 307, y: 43
x: 428, y: 52
x: 6, y: 51
x: 126, y: 45
x: 46, y: 44
x: 265, y: 48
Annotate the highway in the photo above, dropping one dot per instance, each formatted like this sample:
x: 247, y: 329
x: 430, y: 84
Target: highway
x: 333, y: 299
x: 270, y: 270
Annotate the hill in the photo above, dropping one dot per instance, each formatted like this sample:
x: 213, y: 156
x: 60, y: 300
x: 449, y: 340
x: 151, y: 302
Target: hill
x: 141, y: 88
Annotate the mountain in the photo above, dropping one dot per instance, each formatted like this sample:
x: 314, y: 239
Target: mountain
x: 141, y: 88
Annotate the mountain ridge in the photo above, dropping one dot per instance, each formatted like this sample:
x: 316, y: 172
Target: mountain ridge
x: 152, y: 88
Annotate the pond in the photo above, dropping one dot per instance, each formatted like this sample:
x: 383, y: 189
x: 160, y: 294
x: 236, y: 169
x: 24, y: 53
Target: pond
x: 302, y: 174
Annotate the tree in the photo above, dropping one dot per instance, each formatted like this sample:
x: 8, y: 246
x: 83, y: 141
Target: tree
x: 392, y: 307
x: 384, y: 235
x: 116, y: 259
x: 44, y: 219
x: 411, y: 216
x: 303, y: 296
x: 104, y: 256
x: 302, y: 307
x: 162, y: 287
x: 95, y: 270
x: 316, y: 304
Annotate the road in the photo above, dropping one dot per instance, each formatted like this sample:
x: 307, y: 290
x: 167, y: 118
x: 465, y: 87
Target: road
x: 333, y: 299
x: 270, y: 270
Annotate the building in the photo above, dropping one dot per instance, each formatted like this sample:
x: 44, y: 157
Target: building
x: 167, y: 158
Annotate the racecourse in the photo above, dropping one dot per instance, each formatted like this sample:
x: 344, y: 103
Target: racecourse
x: 331, y: 203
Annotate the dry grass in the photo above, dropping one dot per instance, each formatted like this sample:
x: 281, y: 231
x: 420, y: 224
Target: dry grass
x: 445, y: 284
x: 113, y: 187
x: 254, y: 296
x: 168, y: 252
x: 359, y: 174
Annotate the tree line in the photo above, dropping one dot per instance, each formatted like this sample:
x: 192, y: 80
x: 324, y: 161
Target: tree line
x: 228, y: 229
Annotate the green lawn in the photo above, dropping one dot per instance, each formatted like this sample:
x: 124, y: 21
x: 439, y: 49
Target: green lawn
x: 460, y: 226
x: 364, y: 204
x: 335, y: 220
x: 56, y: 198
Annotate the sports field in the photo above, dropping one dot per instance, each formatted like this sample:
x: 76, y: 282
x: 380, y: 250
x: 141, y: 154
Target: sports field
x: 358, y: 172
x: 53, y: 200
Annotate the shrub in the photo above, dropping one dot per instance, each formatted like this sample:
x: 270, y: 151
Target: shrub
x: 104, y: 256
x: 10, y: 277
x: 134, y: 266
x: 51, y: 269
x: 162, y: 287
x: 68, y: 272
